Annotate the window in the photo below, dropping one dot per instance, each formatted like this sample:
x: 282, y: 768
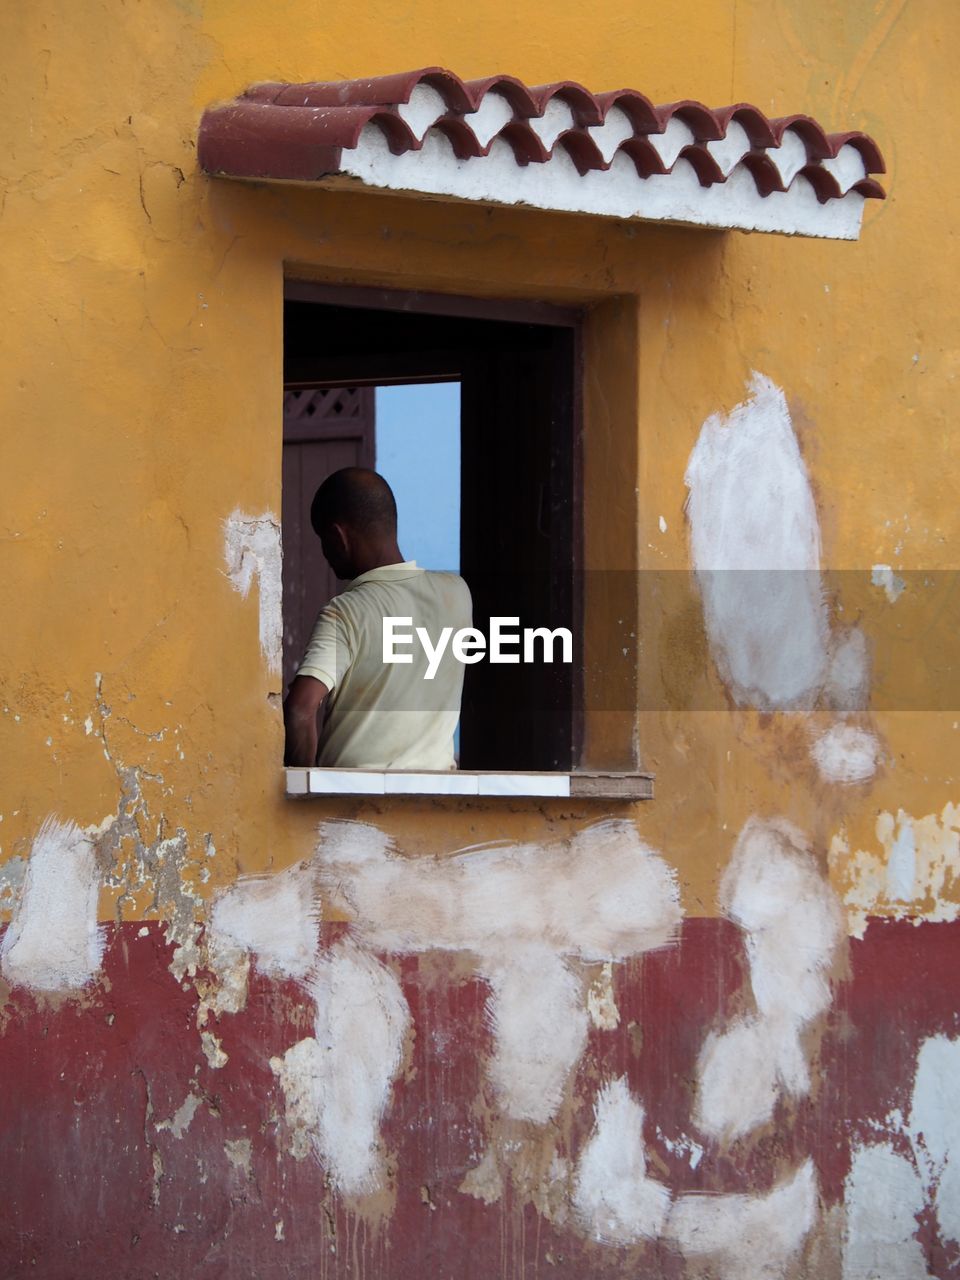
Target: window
x: 516, y: 367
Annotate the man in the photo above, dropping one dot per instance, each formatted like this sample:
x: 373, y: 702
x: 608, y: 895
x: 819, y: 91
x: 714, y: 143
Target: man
x: 378, y: 715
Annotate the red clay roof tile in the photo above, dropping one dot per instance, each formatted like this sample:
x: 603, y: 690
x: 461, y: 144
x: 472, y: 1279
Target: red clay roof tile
x: 752, y: 171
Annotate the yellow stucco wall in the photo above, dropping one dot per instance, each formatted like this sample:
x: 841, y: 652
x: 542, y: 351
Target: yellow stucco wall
x: 141, y: 381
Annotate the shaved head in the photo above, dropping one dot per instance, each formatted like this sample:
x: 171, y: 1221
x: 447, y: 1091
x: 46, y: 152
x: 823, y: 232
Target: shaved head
x: 358, y: 499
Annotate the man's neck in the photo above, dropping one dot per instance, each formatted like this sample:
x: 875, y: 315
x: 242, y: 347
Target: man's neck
x: 377, y: 557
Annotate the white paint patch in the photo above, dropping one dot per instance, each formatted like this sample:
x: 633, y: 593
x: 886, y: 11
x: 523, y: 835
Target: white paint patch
x: 845, y: 754
x: 275, y: 917
x: 539, y: 1021
x: 935, y: 1128
x: 663, y: 525
x: 252, y: 550
x: 362, y: 1019
x: 886, y: 1192
x: 53, y: 942
x: 748, y: 1237
x: 883, y: 1195
x: 915, y: 874
x: 738, y: 1077
x: 773, y: 889
x: 601, y: 895
x: 613, y: 1197
x: 882, y: 575
x: 848, y: 678
x: 520, y: 910
x: 755, y: 543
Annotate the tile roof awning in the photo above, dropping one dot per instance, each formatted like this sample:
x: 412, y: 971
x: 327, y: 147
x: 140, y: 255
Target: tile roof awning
x: 557, y: 146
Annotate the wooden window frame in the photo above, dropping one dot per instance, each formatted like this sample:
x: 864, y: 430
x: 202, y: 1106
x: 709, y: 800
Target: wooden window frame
x: 378, y: 369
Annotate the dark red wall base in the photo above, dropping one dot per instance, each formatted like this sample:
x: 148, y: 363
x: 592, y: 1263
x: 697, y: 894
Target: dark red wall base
x: 91, y: 1188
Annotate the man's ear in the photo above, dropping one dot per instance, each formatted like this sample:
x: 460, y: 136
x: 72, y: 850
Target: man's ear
x: 340, y: 538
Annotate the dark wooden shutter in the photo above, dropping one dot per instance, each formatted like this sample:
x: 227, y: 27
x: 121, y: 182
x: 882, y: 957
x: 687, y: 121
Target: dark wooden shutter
x: 517, y: 518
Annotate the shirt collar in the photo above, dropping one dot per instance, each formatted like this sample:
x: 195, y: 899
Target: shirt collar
x: 388, y: 573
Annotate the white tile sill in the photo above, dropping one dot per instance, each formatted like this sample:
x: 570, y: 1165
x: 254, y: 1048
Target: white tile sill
x: 307, y: 783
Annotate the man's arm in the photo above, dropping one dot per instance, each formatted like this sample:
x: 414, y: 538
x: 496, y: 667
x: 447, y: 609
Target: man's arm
x: 300, y: 720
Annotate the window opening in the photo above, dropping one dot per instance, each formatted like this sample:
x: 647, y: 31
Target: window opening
x: 508, y: 480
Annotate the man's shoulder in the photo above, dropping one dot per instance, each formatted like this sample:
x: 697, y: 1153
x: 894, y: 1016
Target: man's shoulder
x: 446, y: 575
x: 449, y: 583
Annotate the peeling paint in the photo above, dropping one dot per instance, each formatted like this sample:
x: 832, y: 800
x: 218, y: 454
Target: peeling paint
x: 212, y: 1050
x: 182, y: 1118
x: 520, y: 910
x: 601, y: 1001
x: 12, y: 874
x: 298, y: 1071
x: 252, y: 550
x: 915, y: 874
x: 484, y: 1182
x: 239, y: 1152
x: 882, y: 575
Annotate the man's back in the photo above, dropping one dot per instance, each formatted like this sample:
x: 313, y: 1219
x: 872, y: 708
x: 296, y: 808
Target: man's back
x: 380, y: 714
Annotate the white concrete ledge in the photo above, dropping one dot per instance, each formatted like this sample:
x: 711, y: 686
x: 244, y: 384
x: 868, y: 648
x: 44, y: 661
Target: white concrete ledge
x: 464, y: 782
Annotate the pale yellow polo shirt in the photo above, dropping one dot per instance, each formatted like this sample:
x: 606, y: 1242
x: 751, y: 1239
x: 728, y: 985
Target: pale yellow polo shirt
x: 381, y: 715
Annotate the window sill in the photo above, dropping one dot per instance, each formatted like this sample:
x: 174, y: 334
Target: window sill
x: 306, y: 783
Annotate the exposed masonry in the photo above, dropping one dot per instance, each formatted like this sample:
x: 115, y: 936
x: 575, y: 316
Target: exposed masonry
x: 551, y: 147
x: 792, y: 926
